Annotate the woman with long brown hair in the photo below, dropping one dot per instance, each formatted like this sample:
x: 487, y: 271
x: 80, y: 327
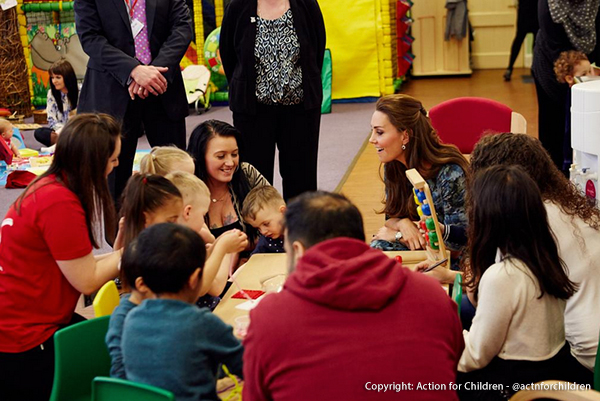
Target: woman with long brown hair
x: 61, y: 101
x: 517, y: 335
x: 46, y: 258
x: 575, y: 222
x: 404, y: 139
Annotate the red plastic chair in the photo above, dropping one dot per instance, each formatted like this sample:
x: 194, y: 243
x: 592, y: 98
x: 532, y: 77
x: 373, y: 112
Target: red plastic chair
x: 464, y: 120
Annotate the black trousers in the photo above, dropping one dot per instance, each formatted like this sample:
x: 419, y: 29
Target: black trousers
x: 144, y: 116
x: 29, y: 375
x: 295, y: 132
x: 562, y: 366
x: 516, y: 45
x: 42, y: 135
x: 551, y: 125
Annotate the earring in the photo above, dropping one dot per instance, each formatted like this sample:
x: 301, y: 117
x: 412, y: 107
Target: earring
x: 403, y: 147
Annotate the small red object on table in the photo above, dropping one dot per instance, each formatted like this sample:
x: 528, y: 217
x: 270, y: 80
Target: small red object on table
x: 253, y: 294
x: 398, y: 259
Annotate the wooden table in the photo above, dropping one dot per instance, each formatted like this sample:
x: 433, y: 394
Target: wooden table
x: 263, y: 265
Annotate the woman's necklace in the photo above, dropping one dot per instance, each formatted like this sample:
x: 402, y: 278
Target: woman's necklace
x: 219, y: 199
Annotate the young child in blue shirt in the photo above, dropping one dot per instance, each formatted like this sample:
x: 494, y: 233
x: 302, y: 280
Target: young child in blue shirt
x: 263, y: 209
x: 168, y: 342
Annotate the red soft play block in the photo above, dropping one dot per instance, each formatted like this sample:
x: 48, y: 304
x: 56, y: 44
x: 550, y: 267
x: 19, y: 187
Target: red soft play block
x: 253, y: 294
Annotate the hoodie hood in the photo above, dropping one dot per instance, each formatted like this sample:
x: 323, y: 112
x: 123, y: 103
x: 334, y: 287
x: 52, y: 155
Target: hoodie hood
x: 347, y: 274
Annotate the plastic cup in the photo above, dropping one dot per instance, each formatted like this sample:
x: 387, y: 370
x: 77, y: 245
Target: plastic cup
x: 241, y: 325
x: 274, y: 284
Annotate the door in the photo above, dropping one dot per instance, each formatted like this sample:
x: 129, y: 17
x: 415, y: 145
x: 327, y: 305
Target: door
x: 494, y: 24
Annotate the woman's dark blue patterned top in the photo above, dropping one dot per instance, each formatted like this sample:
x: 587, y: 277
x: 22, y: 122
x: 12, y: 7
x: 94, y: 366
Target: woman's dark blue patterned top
x: 448, y: 192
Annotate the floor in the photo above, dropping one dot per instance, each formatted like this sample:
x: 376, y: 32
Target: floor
x: 363, y: 184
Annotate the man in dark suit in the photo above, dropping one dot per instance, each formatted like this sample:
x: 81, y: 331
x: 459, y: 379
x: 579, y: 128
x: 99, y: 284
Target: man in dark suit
x: 133, y: 73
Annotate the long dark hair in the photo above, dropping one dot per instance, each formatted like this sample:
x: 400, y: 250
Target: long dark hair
x: 506, y: 213
x: 143, y: 193
x: 83, y: 150
x: 63, y: 68
x: 528, y: 152
x: 199, y: 139
x: 425, y: 152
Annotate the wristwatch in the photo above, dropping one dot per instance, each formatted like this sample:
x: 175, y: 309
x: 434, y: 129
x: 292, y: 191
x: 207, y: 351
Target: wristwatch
x: 398, y: 236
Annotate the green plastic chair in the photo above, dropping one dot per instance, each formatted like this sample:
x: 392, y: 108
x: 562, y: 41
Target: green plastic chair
x: 457, y: 291
x: 112, y: 389
x: 80, y: 355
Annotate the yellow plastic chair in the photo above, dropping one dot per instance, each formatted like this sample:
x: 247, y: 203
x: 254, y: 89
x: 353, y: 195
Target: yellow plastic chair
x: 107, y: 299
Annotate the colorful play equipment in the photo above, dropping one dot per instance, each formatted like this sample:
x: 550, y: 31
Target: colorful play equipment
x: 368, y: 68
x: 435, y: 248
x: 212, y: 59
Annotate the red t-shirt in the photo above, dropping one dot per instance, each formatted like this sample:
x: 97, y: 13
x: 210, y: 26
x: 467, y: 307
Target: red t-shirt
x: 35, y: 297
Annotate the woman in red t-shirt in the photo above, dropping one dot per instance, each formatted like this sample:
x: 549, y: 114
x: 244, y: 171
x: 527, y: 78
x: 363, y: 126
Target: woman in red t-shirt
x: 46, y: 258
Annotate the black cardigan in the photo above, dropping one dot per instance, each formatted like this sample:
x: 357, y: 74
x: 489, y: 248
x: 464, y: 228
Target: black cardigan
x: 238, y: 35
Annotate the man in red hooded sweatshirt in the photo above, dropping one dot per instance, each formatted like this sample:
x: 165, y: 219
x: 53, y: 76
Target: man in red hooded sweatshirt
x: 350, y: 323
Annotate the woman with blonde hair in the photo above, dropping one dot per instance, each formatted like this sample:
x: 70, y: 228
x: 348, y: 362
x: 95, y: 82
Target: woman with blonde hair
x: 405, y: 139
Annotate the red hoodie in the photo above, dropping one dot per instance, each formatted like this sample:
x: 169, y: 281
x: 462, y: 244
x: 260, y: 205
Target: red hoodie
x: 348, y: 320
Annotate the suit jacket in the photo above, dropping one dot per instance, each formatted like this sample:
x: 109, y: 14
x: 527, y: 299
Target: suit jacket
x: 105, y: 34
x: 238, y: 35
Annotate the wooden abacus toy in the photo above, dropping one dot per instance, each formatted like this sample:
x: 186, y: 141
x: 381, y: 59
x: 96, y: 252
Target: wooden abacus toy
x: 436, y: 250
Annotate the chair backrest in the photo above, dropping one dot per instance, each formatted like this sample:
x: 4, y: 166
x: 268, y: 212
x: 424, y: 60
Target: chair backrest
x: 112, y: 389
x: 462, y: 121
x: 457, y: 291
x: 195, y: 80
x: 557, y: 390
x: 80, y: 355
x: 106, y: 300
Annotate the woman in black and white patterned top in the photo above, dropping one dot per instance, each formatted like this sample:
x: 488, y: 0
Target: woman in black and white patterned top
x: 272, y: 53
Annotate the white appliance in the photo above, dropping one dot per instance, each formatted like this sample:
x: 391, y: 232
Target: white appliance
x: 585, y: 137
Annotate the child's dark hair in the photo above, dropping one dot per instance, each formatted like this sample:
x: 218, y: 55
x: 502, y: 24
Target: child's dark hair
x: 506, y: 212
x: 167, y: 254
x: 131, y: 268
x: 63, y: 68
x: 143, y: 193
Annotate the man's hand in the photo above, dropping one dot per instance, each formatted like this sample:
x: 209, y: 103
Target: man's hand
x: 135, y: 89
x: 150, y: 78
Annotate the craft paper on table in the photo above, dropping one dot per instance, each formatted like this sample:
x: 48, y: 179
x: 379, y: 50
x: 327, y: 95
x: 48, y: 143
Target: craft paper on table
x: 248, y: 305
x: 254, y: 294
